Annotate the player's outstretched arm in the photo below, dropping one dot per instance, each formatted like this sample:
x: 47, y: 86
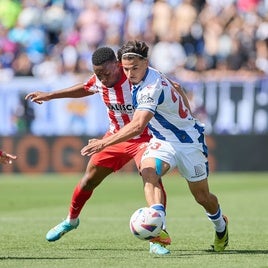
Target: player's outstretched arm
x: 6, y: 158
x: 76, y: 91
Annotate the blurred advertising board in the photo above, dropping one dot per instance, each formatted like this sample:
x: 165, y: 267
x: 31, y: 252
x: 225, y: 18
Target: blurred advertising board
x: 226, y: 107
x: 49, y: 137
x: 39, y: 154
x: 81, y: 116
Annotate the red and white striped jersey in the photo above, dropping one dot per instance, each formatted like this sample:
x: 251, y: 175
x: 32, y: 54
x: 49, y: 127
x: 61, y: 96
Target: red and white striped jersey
x: 118, y: 101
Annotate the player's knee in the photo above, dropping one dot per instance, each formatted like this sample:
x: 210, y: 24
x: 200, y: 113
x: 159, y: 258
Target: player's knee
x: 89, y: 182
x: 149, y: 175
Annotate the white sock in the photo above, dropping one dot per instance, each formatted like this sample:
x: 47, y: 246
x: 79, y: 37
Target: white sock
x: 162, y: 211
x: 71, y: 221
x: 218, y: 221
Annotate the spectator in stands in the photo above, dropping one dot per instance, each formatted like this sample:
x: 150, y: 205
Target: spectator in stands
x: 9, y: 11
x: 214, y: 35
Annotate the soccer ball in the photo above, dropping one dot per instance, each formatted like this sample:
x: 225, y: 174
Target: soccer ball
x: 145, y: 223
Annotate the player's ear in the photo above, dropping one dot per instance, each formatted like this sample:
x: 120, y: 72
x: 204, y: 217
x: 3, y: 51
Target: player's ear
x: 146, y: 62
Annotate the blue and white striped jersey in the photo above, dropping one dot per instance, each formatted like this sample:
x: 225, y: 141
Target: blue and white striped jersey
x: 172, y: 120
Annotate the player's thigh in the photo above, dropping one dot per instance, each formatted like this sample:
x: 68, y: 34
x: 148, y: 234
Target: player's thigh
x: 113, y: 157
x: 159, y: 155
x: 154, y: 166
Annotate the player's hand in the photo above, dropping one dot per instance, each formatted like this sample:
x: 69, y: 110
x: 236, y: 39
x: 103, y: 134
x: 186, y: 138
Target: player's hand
x: 94, y: 146
x: 37, y: 96
x: 6, y: 158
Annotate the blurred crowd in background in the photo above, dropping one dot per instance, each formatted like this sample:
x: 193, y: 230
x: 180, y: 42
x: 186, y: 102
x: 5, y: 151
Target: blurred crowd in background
x: 49, y: 38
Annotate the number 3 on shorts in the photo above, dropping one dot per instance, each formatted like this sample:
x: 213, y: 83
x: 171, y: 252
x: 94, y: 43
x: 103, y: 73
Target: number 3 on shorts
x: 154, y: 146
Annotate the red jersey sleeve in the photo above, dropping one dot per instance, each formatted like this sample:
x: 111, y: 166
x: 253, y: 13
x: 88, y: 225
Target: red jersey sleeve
x: 91, y: 83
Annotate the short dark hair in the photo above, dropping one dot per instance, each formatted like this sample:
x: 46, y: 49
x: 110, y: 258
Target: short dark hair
x: 103, y: 55
x: 139, y: 48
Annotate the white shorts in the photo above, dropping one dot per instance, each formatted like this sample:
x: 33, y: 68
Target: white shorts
x: 189, y: 158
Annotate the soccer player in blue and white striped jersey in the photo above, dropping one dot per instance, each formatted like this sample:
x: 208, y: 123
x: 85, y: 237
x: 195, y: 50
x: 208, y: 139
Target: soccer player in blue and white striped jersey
x: 178, y: 138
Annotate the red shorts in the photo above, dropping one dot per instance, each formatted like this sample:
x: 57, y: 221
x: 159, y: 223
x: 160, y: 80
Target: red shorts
x: 116, y: 156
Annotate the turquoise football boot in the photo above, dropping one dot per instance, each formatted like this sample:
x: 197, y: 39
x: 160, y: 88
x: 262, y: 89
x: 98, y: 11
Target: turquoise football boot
x: 59, y: 230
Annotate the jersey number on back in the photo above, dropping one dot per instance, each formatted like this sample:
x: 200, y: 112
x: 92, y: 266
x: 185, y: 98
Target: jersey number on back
x: 182, y: 111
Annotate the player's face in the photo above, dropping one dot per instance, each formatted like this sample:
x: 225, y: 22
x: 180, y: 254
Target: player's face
x: 134, y: 69
x: 108, y: 73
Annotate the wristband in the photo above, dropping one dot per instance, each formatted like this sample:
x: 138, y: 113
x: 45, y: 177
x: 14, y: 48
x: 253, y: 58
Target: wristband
x: 1, y: 153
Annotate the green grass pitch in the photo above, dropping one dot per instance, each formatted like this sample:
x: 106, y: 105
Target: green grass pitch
x: 31, y: 204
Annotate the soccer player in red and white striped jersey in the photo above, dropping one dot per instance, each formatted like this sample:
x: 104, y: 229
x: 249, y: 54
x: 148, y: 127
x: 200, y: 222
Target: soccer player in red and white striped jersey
x: 111, y: 83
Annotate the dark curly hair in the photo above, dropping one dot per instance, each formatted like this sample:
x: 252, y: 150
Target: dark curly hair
x: 103, y: 55
x: 138, y: 48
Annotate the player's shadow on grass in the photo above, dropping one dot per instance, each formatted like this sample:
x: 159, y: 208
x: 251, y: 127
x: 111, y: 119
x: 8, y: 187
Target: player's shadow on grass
x: 186, y: 252
x: 37, y: 258
x: 225, y: 252
x: 180, y: 254
x: 110, y: 249
x: 245, y: 251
